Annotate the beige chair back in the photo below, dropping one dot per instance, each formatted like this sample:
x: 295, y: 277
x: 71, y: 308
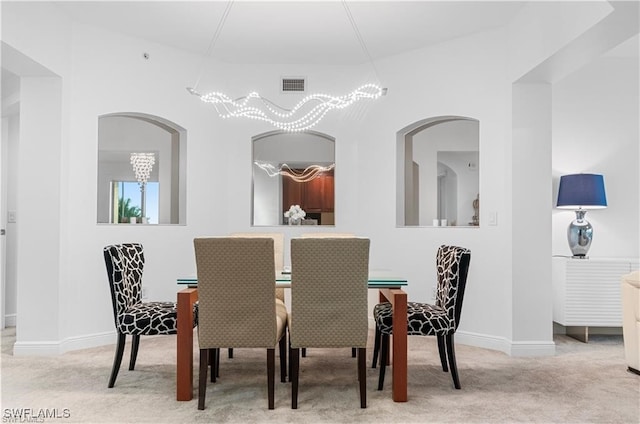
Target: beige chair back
x: 236, y: 286
x: 329, y: 292
x: 327, y: 235
x: 278, y: 252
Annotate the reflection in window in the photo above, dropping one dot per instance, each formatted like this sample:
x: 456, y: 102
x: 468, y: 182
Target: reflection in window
x: 293, y: 169
x: 120, y: 135
x: 315, y: 197
x: 126, y: 202
x: 438, y: 172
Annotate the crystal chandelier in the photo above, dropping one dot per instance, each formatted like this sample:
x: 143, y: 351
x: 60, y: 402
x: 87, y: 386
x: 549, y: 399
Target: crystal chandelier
x: 142, y: 167
x: 304, y: 115
x: 309, y: 173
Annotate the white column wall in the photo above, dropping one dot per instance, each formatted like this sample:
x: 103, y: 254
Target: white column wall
x: 531, y: 246
x: 10, y: 161
x: 38, y: 211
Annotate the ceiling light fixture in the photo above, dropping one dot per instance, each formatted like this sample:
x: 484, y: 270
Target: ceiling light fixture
x: 306, y: 114
x: 309, y: 173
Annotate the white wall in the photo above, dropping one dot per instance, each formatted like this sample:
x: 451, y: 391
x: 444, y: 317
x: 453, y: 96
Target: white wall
x: 464, y: 77
x: 596, y: 130
x: 469, y: 76
x: 542, y: 28
x: 39, y: 202
x: 531, y: 249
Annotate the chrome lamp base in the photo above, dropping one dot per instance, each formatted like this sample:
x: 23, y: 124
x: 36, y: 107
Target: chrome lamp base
x: 579, y: 235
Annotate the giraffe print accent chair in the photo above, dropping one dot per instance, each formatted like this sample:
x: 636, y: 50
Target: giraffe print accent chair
x: 440, y: 320
x: 125, y: 263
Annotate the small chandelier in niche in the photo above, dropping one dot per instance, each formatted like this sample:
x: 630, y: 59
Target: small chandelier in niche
x: 142, y: 167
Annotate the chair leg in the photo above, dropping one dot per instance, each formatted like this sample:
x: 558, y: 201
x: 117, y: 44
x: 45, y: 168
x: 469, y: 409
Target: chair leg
x: 117, y: 359
x: 202, y: 380
x: 135, y: 343
x: 384, y: 355
x: 452, y: 361
x: 218, y: 354
x: 213, y: 358
x: 376, y: 347
x: 271, y: 373
x: 443, y: 353
x: 290, y: 356
x: 294, y: 362
x: 282, y: 348
x: 362, y: 375
x: 230, y: 353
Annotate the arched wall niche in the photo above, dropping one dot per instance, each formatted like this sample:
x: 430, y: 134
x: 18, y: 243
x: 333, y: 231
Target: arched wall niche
x: 272, y: 195
x: 438, y: 172
x: 123, y: 133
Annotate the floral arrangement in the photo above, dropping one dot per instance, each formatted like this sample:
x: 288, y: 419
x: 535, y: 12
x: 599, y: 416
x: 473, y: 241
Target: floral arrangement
x: 295, y: 214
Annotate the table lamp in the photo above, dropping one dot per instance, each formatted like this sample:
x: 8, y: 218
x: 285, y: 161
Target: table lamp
x: 581, y: 192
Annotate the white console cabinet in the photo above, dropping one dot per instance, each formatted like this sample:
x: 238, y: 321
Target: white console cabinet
x: 586, y: 292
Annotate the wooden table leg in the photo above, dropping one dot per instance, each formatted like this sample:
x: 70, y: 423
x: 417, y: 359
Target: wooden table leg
x: 184, y: 369
x: 398, y: 299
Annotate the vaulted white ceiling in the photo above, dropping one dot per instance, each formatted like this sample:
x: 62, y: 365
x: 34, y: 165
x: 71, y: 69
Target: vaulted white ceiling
x: 288, y: 32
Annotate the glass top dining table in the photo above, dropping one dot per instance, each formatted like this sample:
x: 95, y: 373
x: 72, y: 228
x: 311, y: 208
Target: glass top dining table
x: 390, y: 290
x: 377, y: 279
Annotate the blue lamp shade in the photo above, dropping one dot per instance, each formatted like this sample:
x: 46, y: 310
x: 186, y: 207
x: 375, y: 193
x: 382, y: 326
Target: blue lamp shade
x: 581, y: 191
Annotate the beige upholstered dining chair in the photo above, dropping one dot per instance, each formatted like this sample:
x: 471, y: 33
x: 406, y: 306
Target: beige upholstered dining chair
x: 631, y: 320
x: 278, y: 257
x: 278, y: 252
x: 236, y: 286
x: 328, y: 235
x: 329, y: 279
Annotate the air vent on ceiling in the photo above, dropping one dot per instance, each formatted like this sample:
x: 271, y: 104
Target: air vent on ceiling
x: 296, y: 85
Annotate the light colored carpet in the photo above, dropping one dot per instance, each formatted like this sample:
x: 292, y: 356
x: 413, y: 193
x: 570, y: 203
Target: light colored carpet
x: 583, y: 383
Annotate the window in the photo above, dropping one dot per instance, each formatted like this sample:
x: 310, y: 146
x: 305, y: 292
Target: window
x: 126, y: 202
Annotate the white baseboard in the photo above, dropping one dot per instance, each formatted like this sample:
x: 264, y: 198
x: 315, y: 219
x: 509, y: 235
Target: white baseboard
x: 533, y: 348
x: 501, y: 344
x: 66, y: 345
x: 10, y: 320
x: 482, y: 340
